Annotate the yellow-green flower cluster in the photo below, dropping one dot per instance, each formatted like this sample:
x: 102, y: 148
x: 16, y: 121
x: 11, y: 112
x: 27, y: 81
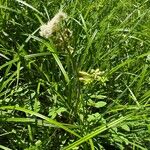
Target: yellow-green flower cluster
x: 93, y: 75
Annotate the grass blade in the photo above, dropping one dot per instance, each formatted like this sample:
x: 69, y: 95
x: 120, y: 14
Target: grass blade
x: 26, y: 4
x: 4, y: 147
x: 98, y: 131
x: 51, y: 121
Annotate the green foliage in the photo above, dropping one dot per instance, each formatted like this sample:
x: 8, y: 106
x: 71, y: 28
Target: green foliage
x: 84, y: 87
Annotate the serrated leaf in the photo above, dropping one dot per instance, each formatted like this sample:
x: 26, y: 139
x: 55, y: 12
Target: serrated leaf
x: 36, y: 105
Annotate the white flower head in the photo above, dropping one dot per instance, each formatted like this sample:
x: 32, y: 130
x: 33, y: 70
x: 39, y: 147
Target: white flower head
x: 46, y: 30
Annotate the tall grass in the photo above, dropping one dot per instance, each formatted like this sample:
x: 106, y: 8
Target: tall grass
x: 86, y: 86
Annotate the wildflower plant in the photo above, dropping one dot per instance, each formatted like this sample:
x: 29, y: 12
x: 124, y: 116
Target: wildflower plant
x: 51, y: 98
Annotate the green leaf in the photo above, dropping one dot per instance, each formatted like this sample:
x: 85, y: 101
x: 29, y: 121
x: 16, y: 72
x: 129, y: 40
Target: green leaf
x: 125, y: 127
x: 5, y: 148
x: 53, y: 50
x: 91, y: 118
x: 96, y: 132
x: 36, y: 105
x: 100, y: 104
x: 148, y: 126
x: 51, y: 121
x: 60, y: 110
x: 94, y: 117
x: 26, y: 4
x: 98, y: 96
x: 52, y: 113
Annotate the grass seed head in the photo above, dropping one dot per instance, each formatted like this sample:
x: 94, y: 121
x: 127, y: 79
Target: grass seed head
x: 52, y: 26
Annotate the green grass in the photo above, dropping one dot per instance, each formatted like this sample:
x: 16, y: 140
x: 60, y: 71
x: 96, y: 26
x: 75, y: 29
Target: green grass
x: 85, y: 87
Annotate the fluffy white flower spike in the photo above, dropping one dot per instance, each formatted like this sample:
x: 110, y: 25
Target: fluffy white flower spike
x: 46, y: 30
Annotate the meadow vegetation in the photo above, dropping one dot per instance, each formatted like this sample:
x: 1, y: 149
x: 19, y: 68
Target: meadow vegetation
x: 86, y: 86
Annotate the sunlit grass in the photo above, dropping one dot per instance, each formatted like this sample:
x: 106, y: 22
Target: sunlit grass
x: 84, y: 87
